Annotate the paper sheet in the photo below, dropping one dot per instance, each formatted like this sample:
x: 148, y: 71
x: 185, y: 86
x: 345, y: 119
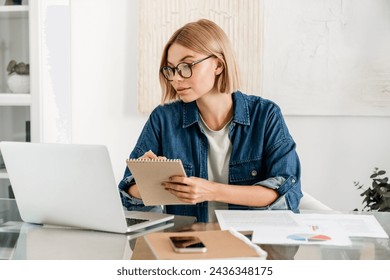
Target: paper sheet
x: 243, y: 220
x: 308, y: 232
x: 353, y: 225
x: 304, y: 235
x: 285, y: 227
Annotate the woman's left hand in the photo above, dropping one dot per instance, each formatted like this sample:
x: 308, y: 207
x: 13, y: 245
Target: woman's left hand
x: 191, y: 189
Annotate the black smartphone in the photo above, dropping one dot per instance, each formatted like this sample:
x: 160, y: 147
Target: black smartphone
x: 187, y: 244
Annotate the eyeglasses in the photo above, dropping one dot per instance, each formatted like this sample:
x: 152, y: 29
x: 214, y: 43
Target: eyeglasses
x: 184, y: 69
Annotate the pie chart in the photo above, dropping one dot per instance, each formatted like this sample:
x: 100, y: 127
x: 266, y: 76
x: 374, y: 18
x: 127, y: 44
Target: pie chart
x: 309, y: 237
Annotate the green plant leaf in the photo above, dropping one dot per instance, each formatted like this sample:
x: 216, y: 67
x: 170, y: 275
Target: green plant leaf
x: 365, y: 193
x: 386, y: 195
x: 384, y: 180
x: 382, y: 190
x: 376, y: 197
x: 366, y: 200
x: 375, y: 206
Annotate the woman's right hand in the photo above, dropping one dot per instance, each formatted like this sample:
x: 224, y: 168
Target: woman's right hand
x: 150, y: 155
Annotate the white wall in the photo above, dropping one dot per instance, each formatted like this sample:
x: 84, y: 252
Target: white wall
x: 334, y: 151
x: 104, y: 105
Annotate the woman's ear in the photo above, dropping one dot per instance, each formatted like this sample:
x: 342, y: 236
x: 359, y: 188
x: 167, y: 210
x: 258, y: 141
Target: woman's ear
x: 219, y: 68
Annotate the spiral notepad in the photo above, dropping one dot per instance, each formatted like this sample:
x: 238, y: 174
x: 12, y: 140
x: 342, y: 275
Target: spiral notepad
x: 150, y: 174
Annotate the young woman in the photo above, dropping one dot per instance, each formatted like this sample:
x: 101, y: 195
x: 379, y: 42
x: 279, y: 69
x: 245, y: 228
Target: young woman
x: 235, y: 148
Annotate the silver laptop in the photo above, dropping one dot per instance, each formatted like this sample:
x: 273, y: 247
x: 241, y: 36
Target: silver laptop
x: 53, y: 243
x: 70, y: 185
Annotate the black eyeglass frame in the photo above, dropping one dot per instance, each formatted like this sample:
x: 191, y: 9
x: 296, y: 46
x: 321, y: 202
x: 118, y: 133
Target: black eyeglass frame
x: 175, y: 69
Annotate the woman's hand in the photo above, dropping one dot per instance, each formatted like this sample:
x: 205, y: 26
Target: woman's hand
x: 150, y: 155
x: 194, y: 190
x: 191, y: 189
x: 133, y: 190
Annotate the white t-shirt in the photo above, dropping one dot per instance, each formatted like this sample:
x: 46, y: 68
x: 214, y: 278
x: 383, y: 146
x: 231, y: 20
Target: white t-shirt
x: 220, y: 149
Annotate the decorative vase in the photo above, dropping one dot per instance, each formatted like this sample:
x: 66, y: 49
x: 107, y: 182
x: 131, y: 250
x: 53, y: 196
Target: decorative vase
x: 19, y: 83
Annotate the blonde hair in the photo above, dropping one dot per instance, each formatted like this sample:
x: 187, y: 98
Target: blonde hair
x: 205, y: 37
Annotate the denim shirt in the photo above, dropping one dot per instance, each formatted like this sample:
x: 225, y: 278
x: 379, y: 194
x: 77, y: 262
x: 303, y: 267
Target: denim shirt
x: 263, y: 152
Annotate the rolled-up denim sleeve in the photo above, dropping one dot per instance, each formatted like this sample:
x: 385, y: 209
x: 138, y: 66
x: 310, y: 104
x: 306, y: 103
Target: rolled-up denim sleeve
x: 282, y: 164
x: 277, y: 183
x: 131, y: 203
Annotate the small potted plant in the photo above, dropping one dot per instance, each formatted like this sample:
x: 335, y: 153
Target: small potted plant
x: 18, y: 77
x: 377, y: 196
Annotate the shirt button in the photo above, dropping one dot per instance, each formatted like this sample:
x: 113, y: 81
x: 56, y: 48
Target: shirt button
x: 254, y: 173
x: 293, y: 181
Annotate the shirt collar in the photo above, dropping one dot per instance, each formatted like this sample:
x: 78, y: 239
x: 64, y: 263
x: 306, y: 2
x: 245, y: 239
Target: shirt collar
x: 240, y: 114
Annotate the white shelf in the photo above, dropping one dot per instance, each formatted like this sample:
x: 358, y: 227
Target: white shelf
x: 13, y: 11
x: 15, y: 99
x: 21, y: 26
x: 3, y: 174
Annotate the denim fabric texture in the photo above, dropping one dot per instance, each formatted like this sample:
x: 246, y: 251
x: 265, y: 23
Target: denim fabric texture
x: 263, y: 151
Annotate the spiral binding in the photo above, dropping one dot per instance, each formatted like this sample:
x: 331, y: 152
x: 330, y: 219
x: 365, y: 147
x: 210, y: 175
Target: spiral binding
x: 152, y: 160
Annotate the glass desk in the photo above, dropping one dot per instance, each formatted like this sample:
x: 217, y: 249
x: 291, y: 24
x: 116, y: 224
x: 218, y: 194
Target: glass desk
x: 20, y: 240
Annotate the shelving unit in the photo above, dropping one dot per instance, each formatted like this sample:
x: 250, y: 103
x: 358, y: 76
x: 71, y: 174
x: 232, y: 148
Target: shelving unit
x: 27, y: 34
x: 3, y: 174
x: 15, y: 99
x: 13, y: 11
x: 15, y: 108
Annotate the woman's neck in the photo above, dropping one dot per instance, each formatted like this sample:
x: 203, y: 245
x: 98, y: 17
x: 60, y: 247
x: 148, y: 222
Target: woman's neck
x: 216, y: 109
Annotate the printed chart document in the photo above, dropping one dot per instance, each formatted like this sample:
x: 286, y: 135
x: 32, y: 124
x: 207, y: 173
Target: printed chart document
x: 279, y: 227
x: 245, y: 220
x: 285, y: 227
x: 353, y: 225
x: 309, y: 233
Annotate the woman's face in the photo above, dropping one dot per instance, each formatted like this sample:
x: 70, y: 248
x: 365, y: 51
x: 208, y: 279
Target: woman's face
x: 203, y: 76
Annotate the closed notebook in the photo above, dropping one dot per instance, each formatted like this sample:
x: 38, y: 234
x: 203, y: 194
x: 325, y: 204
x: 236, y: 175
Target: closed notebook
x: 149, y: 176
x: 226, y: 244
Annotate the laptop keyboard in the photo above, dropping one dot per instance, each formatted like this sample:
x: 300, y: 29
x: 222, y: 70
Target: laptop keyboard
x: 132, y: 221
